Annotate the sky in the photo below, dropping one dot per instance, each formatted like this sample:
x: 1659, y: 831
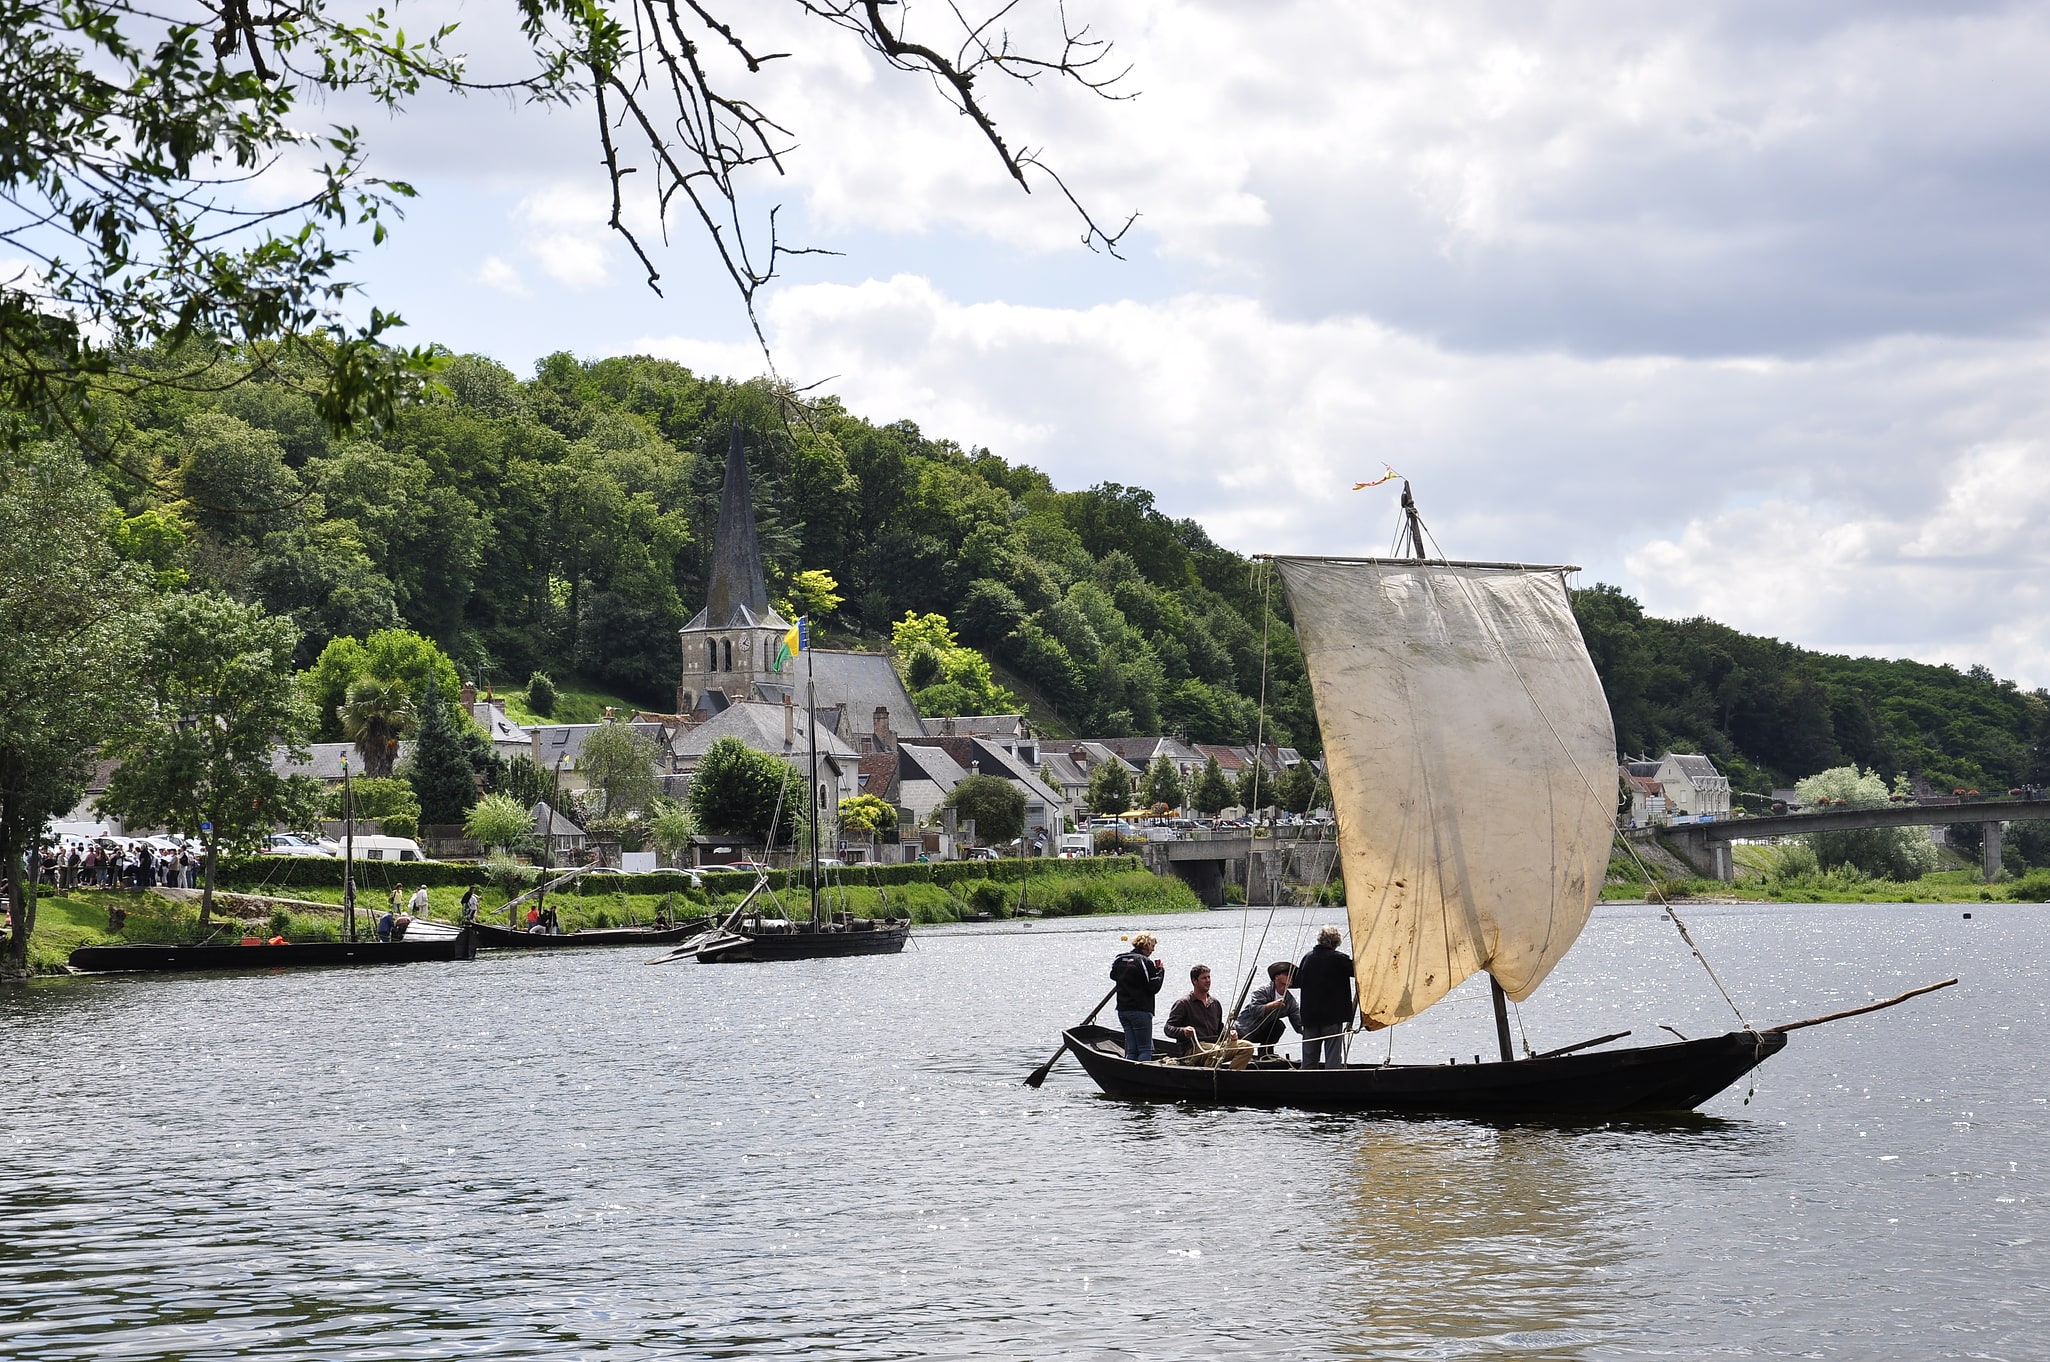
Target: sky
x: 1743, y: 307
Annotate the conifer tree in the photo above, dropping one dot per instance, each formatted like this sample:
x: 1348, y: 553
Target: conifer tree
x: 1212, y: 791
x: 441, y: 773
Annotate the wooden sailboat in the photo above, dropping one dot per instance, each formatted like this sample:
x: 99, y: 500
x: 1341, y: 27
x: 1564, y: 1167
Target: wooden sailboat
x: 1471, y: 761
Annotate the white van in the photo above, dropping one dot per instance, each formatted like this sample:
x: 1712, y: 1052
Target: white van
x: 379, y: 848
x: 1077, y: 844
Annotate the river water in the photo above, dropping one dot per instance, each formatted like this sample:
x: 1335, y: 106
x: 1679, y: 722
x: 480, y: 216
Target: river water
x: 580, y: 1156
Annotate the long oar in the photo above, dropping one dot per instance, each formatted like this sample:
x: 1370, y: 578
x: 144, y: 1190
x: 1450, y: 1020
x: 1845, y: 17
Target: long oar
x: 1038, y: 1075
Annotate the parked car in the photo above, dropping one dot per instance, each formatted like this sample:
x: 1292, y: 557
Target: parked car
x: 292, y: 844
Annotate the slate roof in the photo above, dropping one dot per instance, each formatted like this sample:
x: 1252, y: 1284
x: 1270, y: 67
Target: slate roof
x: 760, y: 726
x: 565, y: 741
x: 501, y: 729
x: 324, y: 760
x: 863, y: 682
x: 1697, y: 769
x: 970, y: 754
x: 562, y: 825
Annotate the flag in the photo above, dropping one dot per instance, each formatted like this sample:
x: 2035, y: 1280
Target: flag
x: 793, y: 642
x: 1389, y: 476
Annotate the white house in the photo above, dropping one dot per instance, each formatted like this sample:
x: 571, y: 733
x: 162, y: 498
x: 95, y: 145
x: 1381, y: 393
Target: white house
x: 1692, y: 785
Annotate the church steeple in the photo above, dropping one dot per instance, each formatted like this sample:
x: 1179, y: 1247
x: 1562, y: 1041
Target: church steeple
x: 730, y: 647
x: 737, y: 596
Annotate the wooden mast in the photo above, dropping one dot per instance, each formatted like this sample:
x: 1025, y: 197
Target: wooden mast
x: 1414, y: 528
x: 348, y: 852
x: 811, y: 731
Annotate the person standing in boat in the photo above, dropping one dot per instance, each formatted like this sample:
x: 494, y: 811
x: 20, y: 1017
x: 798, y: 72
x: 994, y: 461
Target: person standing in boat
x: 1139, y: 977
x: 472, y: 900
x: 1196, y: 1018
x: 418, y: 905
x: 1325, y: 984
x: 1260, y: 1020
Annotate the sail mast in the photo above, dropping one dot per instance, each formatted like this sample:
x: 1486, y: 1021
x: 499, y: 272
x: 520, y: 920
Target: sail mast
x: 811, y: 730
x: 348, y: 851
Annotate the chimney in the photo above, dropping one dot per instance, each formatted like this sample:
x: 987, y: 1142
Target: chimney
x: 469, y: 697
x: 947, y: 727
x: 884, y: 741
x: 974, y: 768
x: 789, y: 722
x: 608, y: 714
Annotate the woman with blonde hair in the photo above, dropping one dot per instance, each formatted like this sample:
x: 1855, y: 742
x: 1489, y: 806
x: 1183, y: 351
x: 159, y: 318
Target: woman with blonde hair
x: 1139, y: 977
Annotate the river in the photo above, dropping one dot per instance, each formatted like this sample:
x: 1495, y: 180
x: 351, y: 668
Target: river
x: 578, y: 1155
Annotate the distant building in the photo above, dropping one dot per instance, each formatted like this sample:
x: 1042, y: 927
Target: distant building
x: 1692, y: 785
x: 508, y: 739
x: 1647, y: 798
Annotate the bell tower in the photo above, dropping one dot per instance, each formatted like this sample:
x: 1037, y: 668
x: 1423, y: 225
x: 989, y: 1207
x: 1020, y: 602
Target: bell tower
x: 730, y: 645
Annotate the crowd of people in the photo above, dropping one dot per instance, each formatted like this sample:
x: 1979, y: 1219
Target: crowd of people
x: 109, y: 863
x: 1315, y: 996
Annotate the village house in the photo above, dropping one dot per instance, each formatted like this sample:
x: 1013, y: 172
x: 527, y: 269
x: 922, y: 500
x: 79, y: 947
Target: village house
x: 1692, y: 785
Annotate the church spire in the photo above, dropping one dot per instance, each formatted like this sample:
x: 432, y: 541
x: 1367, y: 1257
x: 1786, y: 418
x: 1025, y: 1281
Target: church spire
x: 737, y: 596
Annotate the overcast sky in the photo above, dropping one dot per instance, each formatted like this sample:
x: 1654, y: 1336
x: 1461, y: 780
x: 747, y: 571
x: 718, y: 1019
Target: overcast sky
x: 1742, y: 306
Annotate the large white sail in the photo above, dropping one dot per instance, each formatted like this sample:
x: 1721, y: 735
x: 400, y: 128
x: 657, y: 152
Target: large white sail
x: 1472, y: 766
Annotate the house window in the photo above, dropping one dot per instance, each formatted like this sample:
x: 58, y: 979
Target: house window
x: 861, y: 781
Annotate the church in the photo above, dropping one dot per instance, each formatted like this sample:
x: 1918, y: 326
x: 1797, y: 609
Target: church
x: 729, y: 650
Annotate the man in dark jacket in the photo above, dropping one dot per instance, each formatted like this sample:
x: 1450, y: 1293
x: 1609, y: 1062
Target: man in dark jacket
x: 1325, y: 982
x: 1139, y: 977
x: 1196, y: 1019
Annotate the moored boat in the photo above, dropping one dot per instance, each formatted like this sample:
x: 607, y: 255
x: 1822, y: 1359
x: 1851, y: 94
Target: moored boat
x: 506, y: 938
x: 291, y: 955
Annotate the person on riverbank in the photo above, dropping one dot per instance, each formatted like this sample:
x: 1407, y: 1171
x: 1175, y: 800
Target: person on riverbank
x: 1196, y: 1018
x: 418, y: 906
x: 472, y: 900
x: 1259, y: 1021
x: 1324, y: 983
x: 1139, y: 977
x: 395, y: 902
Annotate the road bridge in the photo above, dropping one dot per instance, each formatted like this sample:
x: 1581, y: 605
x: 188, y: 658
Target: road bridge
x: 1707, y: 845
x: 1208, y: 861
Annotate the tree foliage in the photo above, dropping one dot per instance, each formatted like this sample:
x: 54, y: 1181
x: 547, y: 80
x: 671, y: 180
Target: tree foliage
x: 1162, y: 784
x: 865, y: 815
x: 1888, y: 853
x: 1110, y: 789
x: 218, y: 679
x: 1210, y: 791
x: 388, y: 802
x: 73, y: 623
x: 375, y: 716
x: 619, y: 762
x: 736, y: 791
x: 498, y: 821
x: 441, y: 770
x: 996, y: 805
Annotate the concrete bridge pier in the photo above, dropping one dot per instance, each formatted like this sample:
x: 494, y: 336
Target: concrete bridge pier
x: 1710, y: 857
x: 1989, y: 851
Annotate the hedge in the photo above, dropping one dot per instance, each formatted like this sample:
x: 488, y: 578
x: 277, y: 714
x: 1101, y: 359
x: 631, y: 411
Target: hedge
x: 287, y: 872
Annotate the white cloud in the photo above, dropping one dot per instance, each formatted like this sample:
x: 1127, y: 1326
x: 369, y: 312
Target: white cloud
x: 495, y: 273
x: 1882, y: 499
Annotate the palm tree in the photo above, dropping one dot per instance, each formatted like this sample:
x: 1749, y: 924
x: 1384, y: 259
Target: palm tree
x: 377, y: 715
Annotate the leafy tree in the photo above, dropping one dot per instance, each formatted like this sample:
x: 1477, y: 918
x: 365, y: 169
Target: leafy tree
x: 414, y: 663
x: 813, y: 592
x: 672, y: 827
x: 387, y: 801
x: 1163, y: 784
x: 1255, y: 787
x: 1110, y: 789
x: 735, y: 791
x: 375, y: 717
x: 996, y: 805
x: 1888, y: 853
x: 498, y: 821
x: 865, y: 815
x: 441, y: 771
x: 945, y: 676
x: 1212, y: 792
x: 218, y: 678
x: 619, y: 762
x: 1296, y: 790
x: 541, y: 694
x: 73, y: 617
x: 527, y: 781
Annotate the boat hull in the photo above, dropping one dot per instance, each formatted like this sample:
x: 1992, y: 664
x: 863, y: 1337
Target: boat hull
x: 803, y: 943
x: 1648, y: 1080
x: 506, y: 938
x: 296, y: 955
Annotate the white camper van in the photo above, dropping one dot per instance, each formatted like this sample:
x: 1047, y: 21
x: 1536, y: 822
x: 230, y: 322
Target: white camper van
x: 379, y: 848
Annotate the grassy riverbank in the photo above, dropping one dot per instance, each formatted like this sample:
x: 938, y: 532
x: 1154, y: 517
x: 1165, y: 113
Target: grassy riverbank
x: 64, y: 922
x: 1843, y: 885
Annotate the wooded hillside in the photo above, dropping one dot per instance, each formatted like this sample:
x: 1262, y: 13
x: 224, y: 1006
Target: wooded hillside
x: 564, y: 523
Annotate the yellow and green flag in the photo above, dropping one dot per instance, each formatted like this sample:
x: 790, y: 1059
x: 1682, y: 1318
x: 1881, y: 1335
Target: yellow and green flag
x: 792, y: 643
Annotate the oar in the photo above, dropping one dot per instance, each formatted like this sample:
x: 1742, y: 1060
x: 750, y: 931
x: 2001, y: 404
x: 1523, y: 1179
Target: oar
x: 1038, y: 1075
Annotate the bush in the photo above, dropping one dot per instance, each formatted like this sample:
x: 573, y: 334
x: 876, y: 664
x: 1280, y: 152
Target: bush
x: 985, y: 896
x: 2033, y: 887
x: 541, y: 695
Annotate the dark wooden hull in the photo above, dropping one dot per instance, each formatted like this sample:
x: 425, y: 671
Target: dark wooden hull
x: 803, y: 943
x: 297, y: 955
x: 1648, y: 1080
x: 508, y: 939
